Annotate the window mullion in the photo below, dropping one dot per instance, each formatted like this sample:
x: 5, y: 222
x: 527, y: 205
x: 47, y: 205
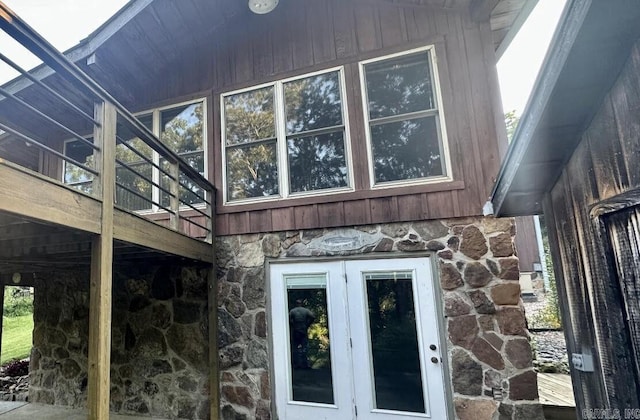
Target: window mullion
x: 404, y: 117
x: 281, y: 136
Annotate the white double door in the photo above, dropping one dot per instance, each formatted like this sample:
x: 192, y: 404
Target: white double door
x: 356, y: 339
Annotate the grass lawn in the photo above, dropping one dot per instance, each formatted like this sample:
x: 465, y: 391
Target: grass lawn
x: 16, y: 337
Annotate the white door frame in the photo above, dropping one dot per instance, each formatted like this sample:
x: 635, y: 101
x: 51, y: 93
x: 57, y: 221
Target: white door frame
x: 425, y: 292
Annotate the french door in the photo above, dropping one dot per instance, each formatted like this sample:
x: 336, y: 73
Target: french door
x: 356, y: 339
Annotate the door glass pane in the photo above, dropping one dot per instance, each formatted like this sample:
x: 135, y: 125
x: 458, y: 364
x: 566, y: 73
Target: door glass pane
x: 310, y: 355
x: 394, y: 342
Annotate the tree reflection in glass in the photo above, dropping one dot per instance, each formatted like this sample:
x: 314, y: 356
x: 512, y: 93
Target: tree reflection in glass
x: 182, y: 129
x: 394, y: 342
x: 127, y: 178
x: 250, y: 136
x: 315, y: 133
x: 309, y: 339
x: 403, y: 118
x: 406, y: 150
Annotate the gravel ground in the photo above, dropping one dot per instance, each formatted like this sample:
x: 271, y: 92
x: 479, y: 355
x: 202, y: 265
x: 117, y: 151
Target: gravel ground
x: 550, y: 349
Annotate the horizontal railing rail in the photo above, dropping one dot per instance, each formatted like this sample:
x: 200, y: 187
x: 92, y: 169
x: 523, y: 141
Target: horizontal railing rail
x: 160, y: 184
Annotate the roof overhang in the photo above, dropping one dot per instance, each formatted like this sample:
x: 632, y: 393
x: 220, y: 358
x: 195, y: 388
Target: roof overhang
x: 505, y: 16
x: 589, y: 49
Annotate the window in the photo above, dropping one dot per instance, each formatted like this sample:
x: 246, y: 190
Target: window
x: 285, y: 139
x: 404, y: 119
x: 179, y: 127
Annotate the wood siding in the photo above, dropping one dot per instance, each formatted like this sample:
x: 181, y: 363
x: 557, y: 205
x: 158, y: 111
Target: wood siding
x: 526, y: 243
x: 594, y: 309
x: 307, y: 36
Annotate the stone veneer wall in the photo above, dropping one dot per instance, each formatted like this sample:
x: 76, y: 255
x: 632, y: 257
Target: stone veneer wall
x: 487, y: 345
x: 159, y: 358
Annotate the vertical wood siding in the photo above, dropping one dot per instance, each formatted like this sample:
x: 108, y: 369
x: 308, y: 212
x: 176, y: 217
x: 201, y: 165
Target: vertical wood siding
x: 526, y: 243
x: 304, y: 36
x: 603, y: 166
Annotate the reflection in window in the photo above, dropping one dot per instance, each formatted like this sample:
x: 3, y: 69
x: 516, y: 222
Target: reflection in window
x: 181, y: 129
x: 312, y: 132
x: 316, y: 159
x: 250, y: 135
x: 394, y: 342
x: 403, y: 117
x: 310, y: 353
x: 75, y: 176
x: 127, y: 179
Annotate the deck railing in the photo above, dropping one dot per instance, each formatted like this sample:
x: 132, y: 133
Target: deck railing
x: 149, y: 178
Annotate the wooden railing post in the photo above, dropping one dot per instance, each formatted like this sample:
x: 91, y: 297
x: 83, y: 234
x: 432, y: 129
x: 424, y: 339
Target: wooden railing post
x: 174, y: 170
x: 102, y: 265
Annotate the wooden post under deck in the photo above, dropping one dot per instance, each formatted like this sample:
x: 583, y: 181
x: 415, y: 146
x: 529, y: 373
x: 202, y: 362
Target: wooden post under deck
x: 2, y: 287
x: 212, y: 299
x: 102, y: 266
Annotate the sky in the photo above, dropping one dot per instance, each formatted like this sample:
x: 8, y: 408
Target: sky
x: 64, y: 23
x: 520, y: 63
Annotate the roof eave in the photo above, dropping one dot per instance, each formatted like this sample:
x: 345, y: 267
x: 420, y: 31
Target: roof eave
x: 87, y: 46
x: 563, y: 40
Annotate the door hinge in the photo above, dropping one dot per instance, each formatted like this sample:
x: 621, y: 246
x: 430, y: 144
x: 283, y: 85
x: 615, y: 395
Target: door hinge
x: 355, y: 407
x: 345, y: 279
x: 351, y: 342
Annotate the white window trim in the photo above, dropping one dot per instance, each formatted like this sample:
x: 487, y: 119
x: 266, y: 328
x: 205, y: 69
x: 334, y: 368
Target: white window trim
x: 282, y: 158
x: 155, y: 172
x: 440, y: 122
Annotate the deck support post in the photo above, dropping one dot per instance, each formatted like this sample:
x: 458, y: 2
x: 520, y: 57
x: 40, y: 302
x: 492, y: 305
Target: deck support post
x: 102, y: 266
x: 214, y: 372
x: 2, y: 287
x: 212, y: 299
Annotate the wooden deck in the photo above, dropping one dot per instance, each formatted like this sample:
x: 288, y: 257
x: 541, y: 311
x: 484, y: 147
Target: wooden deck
x: 67, y: 212
x: 556, y: 396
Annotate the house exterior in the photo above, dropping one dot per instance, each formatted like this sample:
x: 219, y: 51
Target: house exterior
x: 574, y: 159
x: 352, y: 146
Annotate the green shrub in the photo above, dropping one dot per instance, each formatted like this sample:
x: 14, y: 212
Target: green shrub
x: 549, y: 316
x: 18, y: 301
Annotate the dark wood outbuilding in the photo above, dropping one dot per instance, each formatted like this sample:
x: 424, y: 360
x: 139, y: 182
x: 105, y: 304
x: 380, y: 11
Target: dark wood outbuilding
x: 575, y: 158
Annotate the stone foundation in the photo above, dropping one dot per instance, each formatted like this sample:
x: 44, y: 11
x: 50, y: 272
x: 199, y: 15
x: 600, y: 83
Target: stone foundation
x: 489, y: 356
x: 159, y: 358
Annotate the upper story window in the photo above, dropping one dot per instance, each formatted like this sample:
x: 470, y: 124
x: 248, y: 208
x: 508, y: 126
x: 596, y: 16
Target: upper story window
x: 180, y: 127
x: 286, y: 138
x: 404, y: 120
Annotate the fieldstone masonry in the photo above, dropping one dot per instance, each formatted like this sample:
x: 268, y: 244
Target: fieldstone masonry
x: 159, y: 358
x: 488, y: 350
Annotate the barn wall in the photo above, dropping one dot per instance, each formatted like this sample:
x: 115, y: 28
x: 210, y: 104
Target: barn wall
x: 603, y: 166
x: 308, y: 36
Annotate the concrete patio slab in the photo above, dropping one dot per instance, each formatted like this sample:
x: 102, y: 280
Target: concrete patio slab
x: 25, y: 411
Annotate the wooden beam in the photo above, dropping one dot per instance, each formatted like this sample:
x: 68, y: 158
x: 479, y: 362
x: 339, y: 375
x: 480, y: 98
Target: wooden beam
x: 140, y: 231
x: 481, y: 9
x: 102, y: 268
x: 214, y: 372
x: 53, y: 202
